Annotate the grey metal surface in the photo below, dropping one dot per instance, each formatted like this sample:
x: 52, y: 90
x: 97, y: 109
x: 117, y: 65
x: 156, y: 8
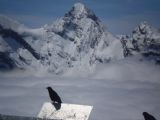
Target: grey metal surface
x: 12, y: 117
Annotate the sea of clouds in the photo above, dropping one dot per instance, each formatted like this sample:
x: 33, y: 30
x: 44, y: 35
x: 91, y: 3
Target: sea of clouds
x: 117, y: 91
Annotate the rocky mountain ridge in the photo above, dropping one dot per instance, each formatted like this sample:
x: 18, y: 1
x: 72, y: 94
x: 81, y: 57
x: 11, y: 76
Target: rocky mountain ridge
x: 78, y: 40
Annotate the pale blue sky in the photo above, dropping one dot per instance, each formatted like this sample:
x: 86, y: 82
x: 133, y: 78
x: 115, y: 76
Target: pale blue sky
x: 119, y: 16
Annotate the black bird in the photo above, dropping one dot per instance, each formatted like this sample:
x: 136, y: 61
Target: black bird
x: 56, y: 100
x: 147, y: 116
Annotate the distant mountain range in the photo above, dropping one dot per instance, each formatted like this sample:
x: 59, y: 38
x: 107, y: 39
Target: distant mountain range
x: 77, y: 40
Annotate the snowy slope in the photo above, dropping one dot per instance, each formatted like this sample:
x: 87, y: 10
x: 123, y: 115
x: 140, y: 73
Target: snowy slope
x: 13, y: 43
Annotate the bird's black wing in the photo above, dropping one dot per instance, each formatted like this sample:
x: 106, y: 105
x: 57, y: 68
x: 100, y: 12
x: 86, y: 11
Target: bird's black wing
x: 56, y: 96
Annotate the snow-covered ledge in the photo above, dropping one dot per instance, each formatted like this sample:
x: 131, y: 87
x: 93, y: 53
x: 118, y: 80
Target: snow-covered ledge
x: 67, y: 112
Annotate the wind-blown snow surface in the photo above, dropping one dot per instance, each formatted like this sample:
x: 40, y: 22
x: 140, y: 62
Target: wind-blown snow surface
x: 117, y: 91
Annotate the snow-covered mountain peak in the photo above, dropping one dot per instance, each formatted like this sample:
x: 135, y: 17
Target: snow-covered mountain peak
x: 143, y: 28
x: 145, y: 32
x: 78, y: 18
x: 80, y: 11
x: 77, y: 11
x: 81, y: 33
x: 144, y: 24
x: 79, y: 8
x: 145, y: 40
